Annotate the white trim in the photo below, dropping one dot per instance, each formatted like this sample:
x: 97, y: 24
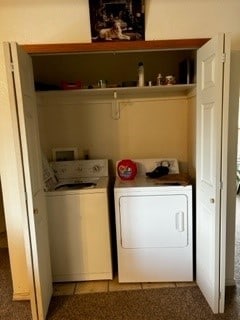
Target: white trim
x: 21, y: 296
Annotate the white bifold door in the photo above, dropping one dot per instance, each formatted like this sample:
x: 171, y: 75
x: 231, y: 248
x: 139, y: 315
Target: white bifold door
x: 23, y: 101
x: 212, y: 134
x: 212, y: 111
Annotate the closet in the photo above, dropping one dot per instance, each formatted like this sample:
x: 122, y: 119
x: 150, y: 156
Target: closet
x: 126, y: 110
x: 154, y: 119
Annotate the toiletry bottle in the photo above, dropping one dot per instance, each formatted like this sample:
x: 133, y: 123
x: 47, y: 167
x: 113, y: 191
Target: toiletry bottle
x: 140, y: 75
x: 159, y: 79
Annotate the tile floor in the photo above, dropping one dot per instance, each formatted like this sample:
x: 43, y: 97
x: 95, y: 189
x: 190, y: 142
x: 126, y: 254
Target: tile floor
x: 69, y: 288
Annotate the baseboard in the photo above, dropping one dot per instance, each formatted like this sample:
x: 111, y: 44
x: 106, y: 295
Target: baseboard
x: 21, y: 296
x: 230, y: 282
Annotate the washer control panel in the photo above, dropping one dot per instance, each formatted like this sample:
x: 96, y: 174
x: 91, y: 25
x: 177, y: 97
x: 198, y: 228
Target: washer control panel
x: 80, y: 169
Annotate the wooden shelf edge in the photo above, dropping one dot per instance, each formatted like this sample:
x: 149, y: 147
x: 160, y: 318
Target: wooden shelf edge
x: 114, y: 46
x: 123, y: 91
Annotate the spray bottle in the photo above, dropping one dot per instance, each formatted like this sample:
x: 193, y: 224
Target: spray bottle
x: 140, y: 74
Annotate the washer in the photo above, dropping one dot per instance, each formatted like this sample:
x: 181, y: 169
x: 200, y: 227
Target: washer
x: 78, y: 217
x: 154, y: 227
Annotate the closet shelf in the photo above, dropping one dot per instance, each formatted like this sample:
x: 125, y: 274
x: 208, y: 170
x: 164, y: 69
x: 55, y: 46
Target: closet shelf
x: 124, y: 92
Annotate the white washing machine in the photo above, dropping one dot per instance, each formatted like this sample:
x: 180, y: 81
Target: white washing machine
x: 154, y: 227
x: 78, y: 217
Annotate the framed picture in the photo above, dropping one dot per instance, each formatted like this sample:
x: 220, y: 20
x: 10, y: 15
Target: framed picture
x: 117, y: 20
x: 65, y: 154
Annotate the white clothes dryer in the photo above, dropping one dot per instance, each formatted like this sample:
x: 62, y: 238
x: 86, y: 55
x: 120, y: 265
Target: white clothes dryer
x: 154, y: 227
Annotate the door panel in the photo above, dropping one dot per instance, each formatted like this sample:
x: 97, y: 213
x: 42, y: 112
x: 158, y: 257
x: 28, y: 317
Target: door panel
x: 207, y: 143
x: 211, y: 163
x: 208, y: 72
x: 32, y: 144
x: 79, y: 236
x: 154, y: 221
x: 36, y: 237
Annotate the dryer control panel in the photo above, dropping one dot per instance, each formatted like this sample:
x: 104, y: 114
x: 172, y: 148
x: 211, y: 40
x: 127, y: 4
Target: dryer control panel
x: 148, y: 165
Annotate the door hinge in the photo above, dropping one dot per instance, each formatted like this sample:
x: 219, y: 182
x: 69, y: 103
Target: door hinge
x: 223, y: 57
x: 221, y: 185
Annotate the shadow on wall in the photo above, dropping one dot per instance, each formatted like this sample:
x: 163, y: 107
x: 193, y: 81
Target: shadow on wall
x: 2, y: 219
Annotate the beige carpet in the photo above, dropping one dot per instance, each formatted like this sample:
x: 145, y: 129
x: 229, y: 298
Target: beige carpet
x: 150, y: 304
x: 10, y: 310
x: 155, y: 304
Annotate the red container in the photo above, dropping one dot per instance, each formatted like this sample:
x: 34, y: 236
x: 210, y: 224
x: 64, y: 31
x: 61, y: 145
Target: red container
x: 71, y: 85
x: 127, y: 169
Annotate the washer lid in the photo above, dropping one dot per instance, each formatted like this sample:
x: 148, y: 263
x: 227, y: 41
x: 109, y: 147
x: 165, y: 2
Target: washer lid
x: 70, y: 186
x: 76, y: 185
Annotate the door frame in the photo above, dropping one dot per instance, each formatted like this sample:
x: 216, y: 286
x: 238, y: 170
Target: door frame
x: 20, y: 183
x: 232, y: 156
x: 224, y: 170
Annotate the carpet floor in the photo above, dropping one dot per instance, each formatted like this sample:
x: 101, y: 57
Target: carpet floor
x: 10, y: 310
x: 154, y: 304
x: 183, y: 303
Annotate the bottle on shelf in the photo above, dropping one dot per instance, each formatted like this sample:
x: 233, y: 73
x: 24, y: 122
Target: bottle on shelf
x: 159, y: 79
x: 140, y: 74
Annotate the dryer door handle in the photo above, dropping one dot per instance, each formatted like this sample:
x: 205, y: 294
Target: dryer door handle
x: 179, y: 221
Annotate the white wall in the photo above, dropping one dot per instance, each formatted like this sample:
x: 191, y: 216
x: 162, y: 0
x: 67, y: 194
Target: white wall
x: 44, y: 21
x: 174, y: 19
x: 56, y: 21
x: 192, y: 135
x: 147, y: 128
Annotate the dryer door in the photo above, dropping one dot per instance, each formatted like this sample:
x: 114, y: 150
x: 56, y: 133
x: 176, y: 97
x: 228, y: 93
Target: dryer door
x: 154, y: 221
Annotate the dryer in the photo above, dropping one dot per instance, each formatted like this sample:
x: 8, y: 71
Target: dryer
x: 153, y: 227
